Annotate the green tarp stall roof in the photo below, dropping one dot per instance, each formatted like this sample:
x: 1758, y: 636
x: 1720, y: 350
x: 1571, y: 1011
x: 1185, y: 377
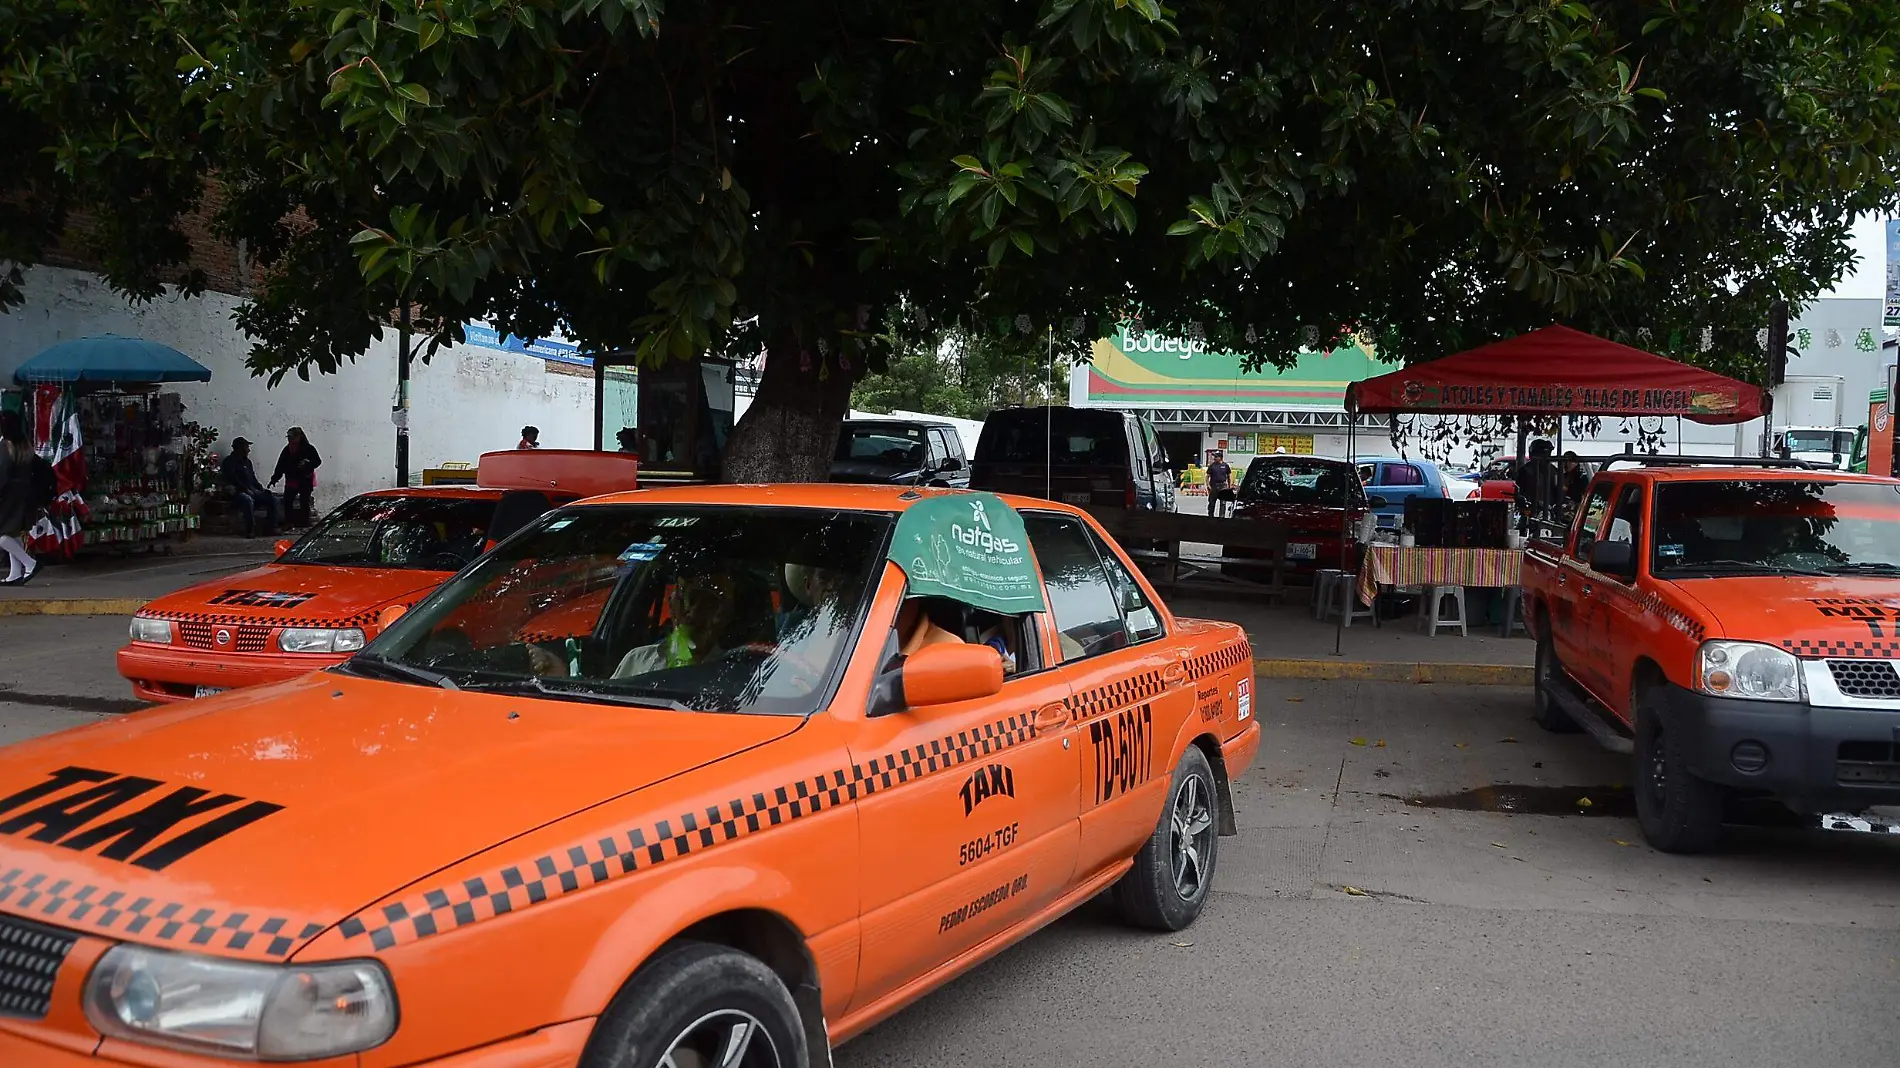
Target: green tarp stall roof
x: 111, y: 358
x: 968, y: 547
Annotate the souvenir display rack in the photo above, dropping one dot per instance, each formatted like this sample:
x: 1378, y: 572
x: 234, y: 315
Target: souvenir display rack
x: 146, y: 468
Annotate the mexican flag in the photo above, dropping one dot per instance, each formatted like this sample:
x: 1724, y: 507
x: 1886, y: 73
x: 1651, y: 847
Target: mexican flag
x: 56, y: 438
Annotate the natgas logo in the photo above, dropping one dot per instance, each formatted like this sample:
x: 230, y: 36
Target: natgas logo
x: 996, y: 780
x: 978, y: 534
x: 1152, y: 342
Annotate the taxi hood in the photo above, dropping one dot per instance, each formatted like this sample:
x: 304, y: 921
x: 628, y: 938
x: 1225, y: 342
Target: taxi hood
x: 301, y: 595
x: 248, y: 823
x: 1810, y: 615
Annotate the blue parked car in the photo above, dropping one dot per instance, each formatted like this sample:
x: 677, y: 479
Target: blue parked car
x: 1398, y: 481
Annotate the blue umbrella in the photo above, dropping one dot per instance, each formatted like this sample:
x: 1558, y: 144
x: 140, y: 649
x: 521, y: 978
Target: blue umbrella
x: 111, y: 358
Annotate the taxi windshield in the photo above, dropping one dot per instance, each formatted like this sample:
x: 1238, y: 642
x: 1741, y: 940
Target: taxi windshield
x: 693, y: 608
x: 422, y: 533
x: 1301, y: 482
x: 1777, y: 526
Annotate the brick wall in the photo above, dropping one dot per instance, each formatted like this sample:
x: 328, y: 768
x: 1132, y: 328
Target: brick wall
x: 224, y: 264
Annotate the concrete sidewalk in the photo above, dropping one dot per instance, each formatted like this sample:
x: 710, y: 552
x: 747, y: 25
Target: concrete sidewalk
x: 1288, y: 643
x: 115, y: 586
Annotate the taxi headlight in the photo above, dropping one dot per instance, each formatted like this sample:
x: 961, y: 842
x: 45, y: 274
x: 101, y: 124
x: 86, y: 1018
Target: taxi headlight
x: 1749, y: 670
x: 231, y: 1008
x: 147, y: 629
x: 319, y: 640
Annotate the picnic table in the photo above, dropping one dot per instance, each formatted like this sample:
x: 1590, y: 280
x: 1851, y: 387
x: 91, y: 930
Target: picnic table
x: 1389, y: 566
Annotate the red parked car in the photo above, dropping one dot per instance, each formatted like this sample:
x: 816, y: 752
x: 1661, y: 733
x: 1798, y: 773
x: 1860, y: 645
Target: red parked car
x: 1311, y: 495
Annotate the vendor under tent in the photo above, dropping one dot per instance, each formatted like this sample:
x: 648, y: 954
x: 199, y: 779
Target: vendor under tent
x: 130, y: 469
x: 1555, y: 372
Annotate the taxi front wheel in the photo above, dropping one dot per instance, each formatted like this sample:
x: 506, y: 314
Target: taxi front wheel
x: 698, y: 1005
x: 1678, y: 812
x: 1168, y: 885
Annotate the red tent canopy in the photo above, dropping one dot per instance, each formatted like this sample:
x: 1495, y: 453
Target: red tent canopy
x: 1558, y: 371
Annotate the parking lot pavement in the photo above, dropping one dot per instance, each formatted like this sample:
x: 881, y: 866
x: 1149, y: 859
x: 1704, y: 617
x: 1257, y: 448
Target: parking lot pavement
x: 1483, y: 937
x: 1479, y: 928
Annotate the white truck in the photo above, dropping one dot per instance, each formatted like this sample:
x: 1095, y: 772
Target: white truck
x: 1809, y: 420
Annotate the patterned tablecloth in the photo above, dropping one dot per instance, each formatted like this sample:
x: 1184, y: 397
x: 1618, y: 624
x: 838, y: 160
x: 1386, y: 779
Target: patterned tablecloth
x: 1394, y: 565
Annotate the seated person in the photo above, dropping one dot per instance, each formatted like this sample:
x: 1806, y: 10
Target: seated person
x: 811, y: 588
x: 923, y: 622
x: 701, y: 609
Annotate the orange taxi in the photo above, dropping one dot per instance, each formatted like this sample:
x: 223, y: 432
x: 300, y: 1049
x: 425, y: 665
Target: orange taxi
x: 695, y: 776
x: 322, y: 599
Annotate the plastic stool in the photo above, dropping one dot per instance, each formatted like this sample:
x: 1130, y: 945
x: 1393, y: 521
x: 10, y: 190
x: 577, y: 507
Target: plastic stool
x: 1513, y: 611
x: 1435, y: 606
x: 1323, y: 580
x: 1345, y: 601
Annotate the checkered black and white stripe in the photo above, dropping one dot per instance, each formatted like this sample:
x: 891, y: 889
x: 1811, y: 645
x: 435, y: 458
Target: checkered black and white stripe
x: 115, y: 912
x: 1100, y: 701
x: 1221, y: 659
x: 586, y: 864
x: 1871, y: 649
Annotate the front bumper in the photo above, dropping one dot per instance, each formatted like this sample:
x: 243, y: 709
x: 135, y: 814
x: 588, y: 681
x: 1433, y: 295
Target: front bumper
x: 559, y: 1046
x: 173, y: 673
x: 1829, y: 754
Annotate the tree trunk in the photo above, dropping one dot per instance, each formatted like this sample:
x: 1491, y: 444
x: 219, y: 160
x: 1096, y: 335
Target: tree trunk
x: 791, y: 430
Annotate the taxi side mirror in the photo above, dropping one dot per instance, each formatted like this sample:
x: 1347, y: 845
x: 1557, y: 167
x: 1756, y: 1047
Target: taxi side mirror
x: 282, y: 546
x: 389, y: 615
x: 1614, y: 558
x: 1376, y: 502
x: 940, y: 675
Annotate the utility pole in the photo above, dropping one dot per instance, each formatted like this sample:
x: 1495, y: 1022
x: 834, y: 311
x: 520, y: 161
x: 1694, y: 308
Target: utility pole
x: 400, y: 414
x: 1777, y: 366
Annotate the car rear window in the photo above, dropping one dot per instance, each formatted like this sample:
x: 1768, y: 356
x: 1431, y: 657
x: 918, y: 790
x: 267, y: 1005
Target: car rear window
x: 1776, y: 526
x: 423, y: 533
x: 1031, y: 436
x: 1300, y: 482
x: 893, y: 445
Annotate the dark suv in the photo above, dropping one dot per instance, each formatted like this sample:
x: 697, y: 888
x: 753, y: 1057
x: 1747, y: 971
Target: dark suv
x: 900, y: 452
x: 1084, y: 456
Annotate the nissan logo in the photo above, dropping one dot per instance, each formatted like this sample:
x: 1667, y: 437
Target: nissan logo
x: 224, y: 636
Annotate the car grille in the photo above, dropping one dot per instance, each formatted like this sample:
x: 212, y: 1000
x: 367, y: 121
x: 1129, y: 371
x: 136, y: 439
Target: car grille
x: 30, y: 956
x: 1867, y: 764
x: 1865, y: 678
x: 243, y: 639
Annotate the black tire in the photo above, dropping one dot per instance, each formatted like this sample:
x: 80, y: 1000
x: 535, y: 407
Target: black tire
x: 1549, y: 676
x: 1154, y: 894
x: 1678, y: 813
x: 693, y: 996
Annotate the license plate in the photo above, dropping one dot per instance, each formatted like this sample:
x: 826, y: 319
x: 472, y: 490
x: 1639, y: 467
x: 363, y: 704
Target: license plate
x: 1075, y: 498
x: 1301, y: 550
x: 1858, y: 824
x: 207, y: 691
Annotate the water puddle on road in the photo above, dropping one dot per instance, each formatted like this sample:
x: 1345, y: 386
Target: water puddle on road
x: 1535, y: 800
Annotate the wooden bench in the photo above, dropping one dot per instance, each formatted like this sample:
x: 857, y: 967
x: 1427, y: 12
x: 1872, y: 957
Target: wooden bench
x: 1170, y: 568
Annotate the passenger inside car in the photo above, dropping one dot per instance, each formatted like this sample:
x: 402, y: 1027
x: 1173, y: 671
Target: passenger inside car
x: 926, y: 621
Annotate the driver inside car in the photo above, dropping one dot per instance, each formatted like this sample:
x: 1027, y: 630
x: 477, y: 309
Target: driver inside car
x: 701, y: 608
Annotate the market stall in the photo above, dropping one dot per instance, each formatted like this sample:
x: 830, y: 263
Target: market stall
x: 132, y: 471
x: 1555, y: 373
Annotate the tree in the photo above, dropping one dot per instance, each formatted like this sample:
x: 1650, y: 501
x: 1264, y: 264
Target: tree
x: 962, y: 372
x: 743, y: 176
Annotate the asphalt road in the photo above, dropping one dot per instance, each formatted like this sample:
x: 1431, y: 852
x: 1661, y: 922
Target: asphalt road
x: 1471, y: 935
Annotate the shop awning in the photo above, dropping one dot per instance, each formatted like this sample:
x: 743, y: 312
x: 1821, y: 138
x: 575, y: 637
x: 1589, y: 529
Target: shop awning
x: 1558, y: 371
x: 111, y: 358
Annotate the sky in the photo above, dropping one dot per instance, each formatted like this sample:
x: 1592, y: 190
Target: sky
x: 1869, y: 280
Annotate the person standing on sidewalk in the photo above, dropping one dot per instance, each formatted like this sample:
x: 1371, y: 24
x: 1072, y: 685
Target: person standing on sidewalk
x: 1220, y: 486
x: 239, y: 479
x: 297, y: 469
x: 22, y: 497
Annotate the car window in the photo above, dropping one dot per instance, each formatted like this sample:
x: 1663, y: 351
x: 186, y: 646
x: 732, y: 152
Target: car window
x: 1627, y: 522
x: 693, y: 608
x: 1279, y: 480
x: 1590, y: 520
x: 889, y: 445
x: 1061, y: 435
x: 946, y: 444
x: 1368, y: 474
x: 424, y: 533
x: 1085, y: 606
x: 1402, y: 475
x: 1140, y: 620
x: 1768, y: 526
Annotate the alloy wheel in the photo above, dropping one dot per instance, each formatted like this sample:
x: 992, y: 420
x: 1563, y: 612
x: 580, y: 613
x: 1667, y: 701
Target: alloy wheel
x: 727, y: 1038
x: 1191, y: 840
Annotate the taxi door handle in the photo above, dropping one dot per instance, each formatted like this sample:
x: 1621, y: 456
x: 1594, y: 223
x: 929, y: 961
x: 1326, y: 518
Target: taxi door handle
x: 1052, y: 716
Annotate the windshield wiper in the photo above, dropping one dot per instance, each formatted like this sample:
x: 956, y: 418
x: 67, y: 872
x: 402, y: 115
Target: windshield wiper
x: 538, y: 686
x: 399, y: 670
x: 1742, y: 565
x: 1867, y: 566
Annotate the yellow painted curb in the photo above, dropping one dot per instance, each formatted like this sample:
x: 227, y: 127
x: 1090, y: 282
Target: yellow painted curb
x: 1395, y: 671
x: 70, y: 606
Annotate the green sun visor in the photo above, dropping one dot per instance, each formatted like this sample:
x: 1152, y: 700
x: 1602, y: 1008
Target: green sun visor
x: 969, y: 547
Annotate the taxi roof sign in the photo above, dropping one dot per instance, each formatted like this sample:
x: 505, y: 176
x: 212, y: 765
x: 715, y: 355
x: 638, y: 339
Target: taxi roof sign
x: 969, y: 547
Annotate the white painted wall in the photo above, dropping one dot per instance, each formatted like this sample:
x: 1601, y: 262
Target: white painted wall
x: 467, y: 401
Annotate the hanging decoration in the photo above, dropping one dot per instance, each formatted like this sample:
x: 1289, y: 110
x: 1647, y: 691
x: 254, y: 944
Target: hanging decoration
x: 57, y: 439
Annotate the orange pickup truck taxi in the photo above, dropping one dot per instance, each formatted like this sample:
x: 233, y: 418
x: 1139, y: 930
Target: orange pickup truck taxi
x: 694, y: 776
x: 1736, y: 628
x: 322, y: 599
